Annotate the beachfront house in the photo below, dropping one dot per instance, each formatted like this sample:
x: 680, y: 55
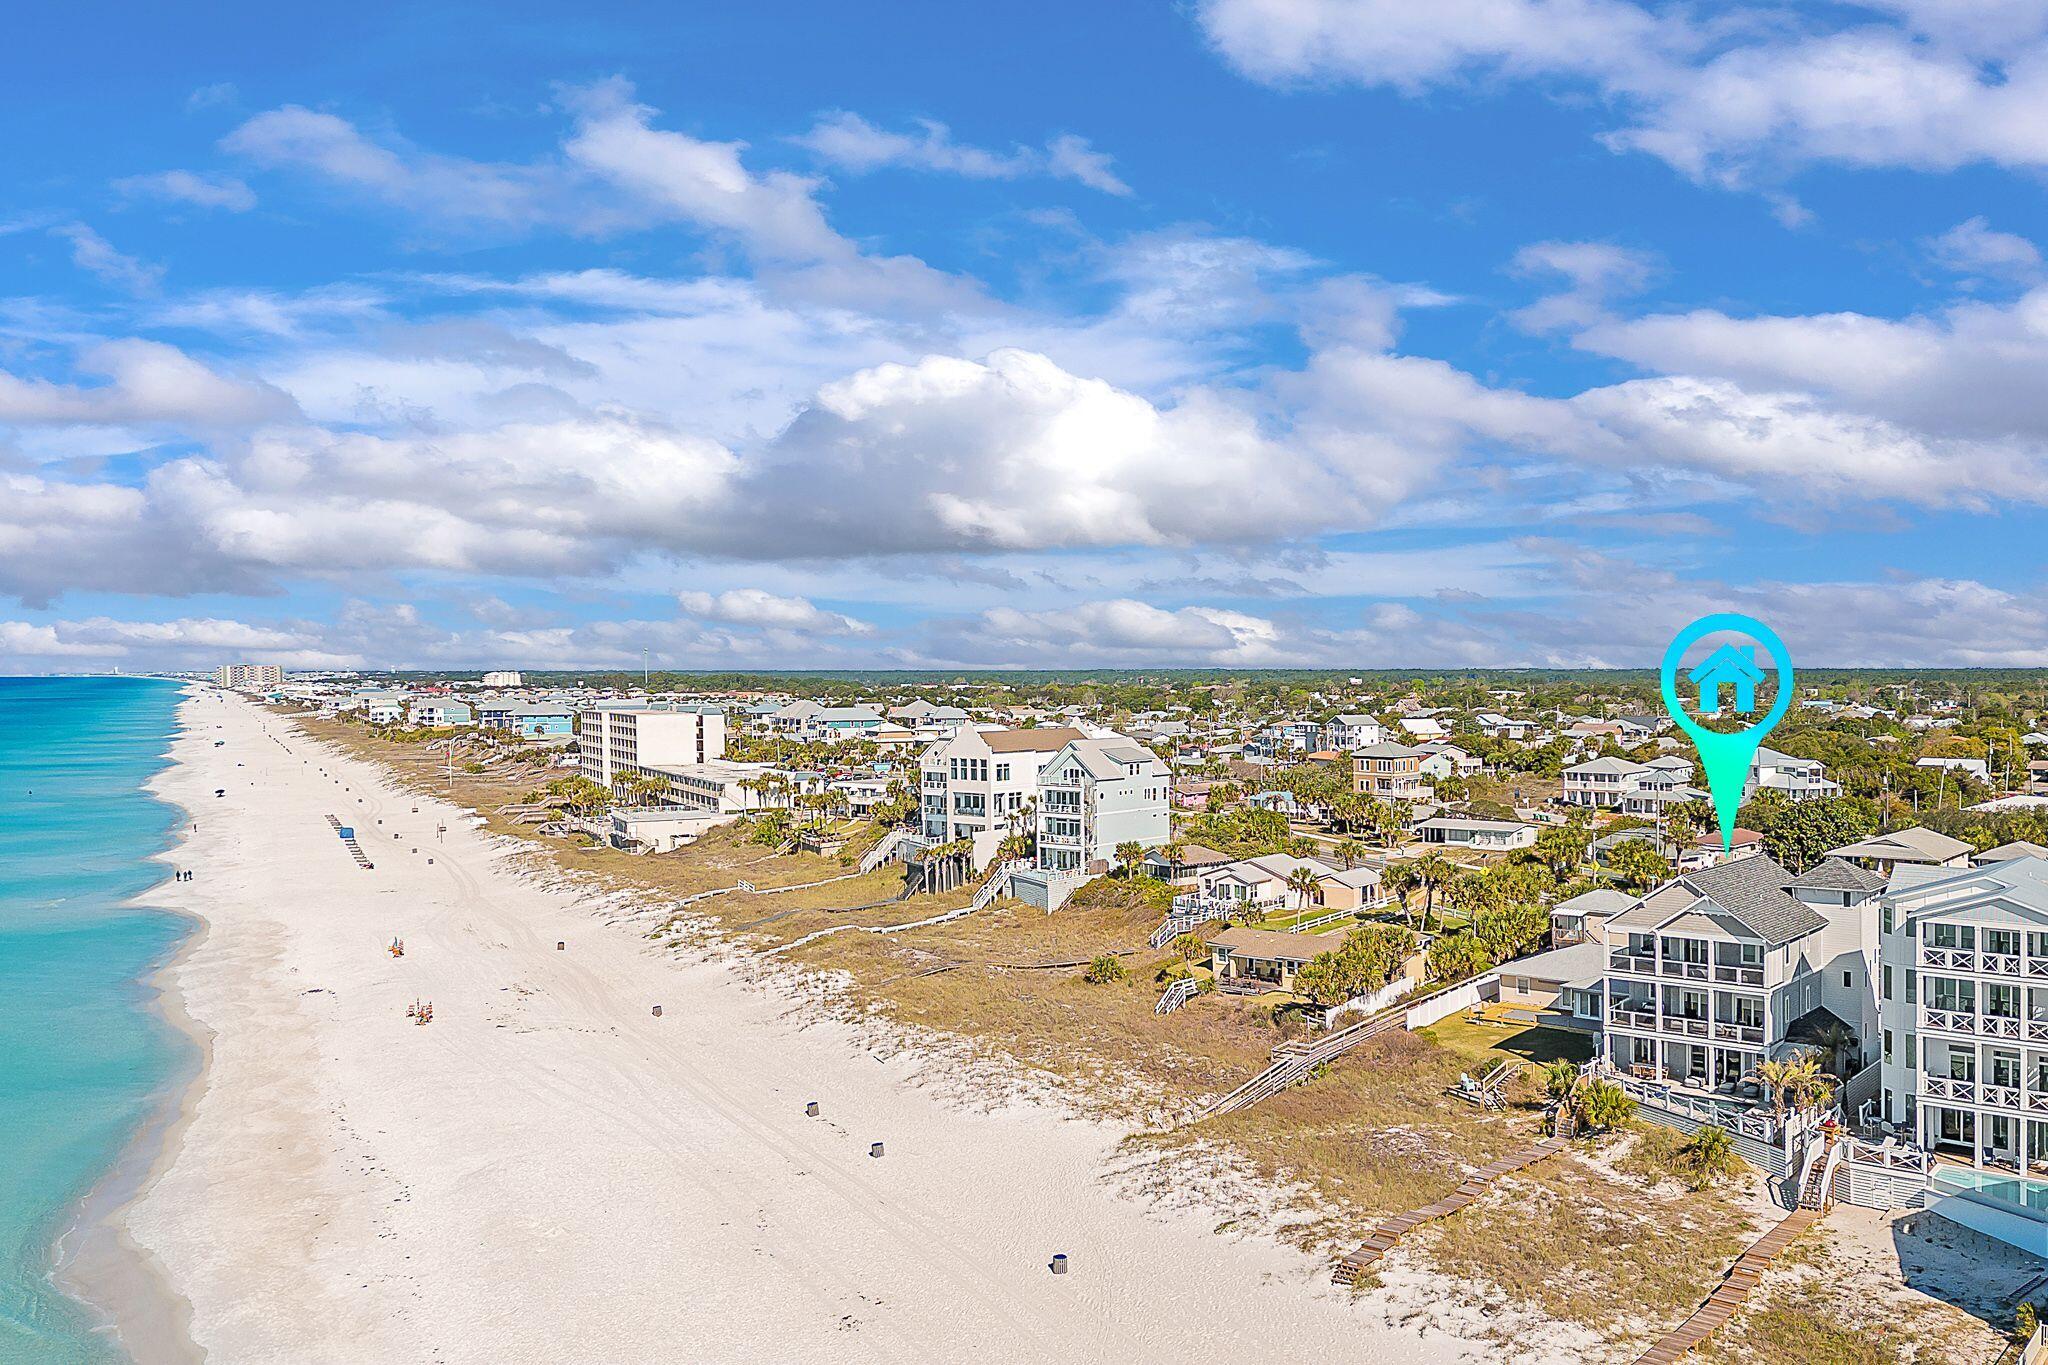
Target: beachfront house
x: 1253, y: 961
x: 981, y: 780
x: 1182, y: 870
x: 531, y: 719
x: 1561, y: 988
x: 438, y: 711
x: 616, y: 740
x: 1720, y: 969
x: 1963, y: 1005
x: 1097, y: 794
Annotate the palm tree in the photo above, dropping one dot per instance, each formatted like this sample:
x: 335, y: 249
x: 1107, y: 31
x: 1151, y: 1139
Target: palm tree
x: 1351, y: 851
x: 1399, y: 880
x: 1433, y: 870
x: 1710, y: 1155
x: 1302, y: 882
x: 1129, y: 854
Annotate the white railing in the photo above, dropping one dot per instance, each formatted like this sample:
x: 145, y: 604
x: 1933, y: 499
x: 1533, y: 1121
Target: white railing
x: 1949, y: 959
x: 1639, y: 963
x: 998, y: 882
x: 1946, y: 1021
x: 1942, y: 1088
x: 1889, y: 1157
x: 1998, y: 964
x: 1178, y: 994
x: 884, y: 851
x: 1176, y: 924
x: 1731, y: 974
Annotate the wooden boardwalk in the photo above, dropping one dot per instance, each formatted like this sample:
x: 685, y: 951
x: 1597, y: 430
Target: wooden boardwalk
x: 1384, y: 1236
x: 1733, y: 1291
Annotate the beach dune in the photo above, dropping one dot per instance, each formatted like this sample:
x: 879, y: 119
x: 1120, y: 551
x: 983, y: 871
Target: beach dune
x: 550, y: 1172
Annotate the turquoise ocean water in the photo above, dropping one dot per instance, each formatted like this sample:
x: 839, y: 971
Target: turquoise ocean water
x: 83, y: 1059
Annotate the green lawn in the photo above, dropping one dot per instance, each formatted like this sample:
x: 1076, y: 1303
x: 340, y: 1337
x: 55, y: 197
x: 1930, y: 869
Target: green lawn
x: 1530, y: 1044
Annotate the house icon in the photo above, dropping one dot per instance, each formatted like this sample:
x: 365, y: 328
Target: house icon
x: 1728, y: 666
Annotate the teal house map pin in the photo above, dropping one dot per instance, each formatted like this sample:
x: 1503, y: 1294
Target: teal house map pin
x: 1726, y: 682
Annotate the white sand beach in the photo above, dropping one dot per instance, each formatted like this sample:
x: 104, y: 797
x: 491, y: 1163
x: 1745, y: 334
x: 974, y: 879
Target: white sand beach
x: 548, y: 1172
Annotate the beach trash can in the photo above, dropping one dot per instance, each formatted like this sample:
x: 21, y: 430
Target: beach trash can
x: 657, y: 1011
x: 811, y: 1110
x: 560, y: 946
x: 1059, y: 1264
x: 875, y: 1149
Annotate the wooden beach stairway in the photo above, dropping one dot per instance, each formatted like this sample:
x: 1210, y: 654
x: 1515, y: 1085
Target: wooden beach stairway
x: 1382, y: 1240
x: 1733, y: 1291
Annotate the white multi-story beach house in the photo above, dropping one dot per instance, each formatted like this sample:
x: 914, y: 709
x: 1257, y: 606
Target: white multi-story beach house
x: 439, y: 711
x: 1644, y: 789
x: 1724, y: 968
x: 1096, y: 794
x: 1603, y: 783
x: 1343, y: 734
x: 981, y: 780
x: 1801, y: 779
x: 617, y: 740
x: 1964, y: 1010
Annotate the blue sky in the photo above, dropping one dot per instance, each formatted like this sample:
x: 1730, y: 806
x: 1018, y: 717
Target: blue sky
x: 1261, y: 332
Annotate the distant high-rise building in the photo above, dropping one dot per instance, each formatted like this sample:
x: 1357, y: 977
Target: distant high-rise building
x: 249, y: 677
x: 503, y: 677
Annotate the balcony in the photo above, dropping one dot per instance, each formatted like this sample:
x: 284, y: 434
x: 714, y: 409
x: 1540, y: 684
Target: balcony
x: 1627, y: 1015
x: 1687, y: 1025
x: 1999, y: 964
x: 1640, y: 964
x: 1948, y: 959
x: 1942, y: 1088
x: 1679, y: 967
x: 1974, y: 1025
x: 1735, y: 974
x: 2008, y: 1097
x: 1731, y: 1031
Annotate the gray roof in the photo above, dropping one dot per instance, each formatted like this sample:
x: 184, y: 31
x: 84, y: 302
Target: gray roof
x: 1387, y: 749
x: 1918, y: 844
x: 1608, y: 765
x: 1599, y: 902
x: 2018, y: 848
x: 1753, y: 891
x: 1835, y: 874
x: 1580, y: 964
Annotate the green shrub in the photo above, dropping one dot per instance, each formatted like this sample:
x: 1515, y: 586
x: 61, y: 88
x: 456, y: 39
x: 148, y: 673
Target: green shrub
x: 1106, y: 969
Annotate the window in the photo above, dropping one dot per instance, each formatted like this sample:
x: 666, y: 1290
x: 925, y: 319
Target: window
x: 1887, y: 1054
x: 1887, y: 990
x: 1847, y: 980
